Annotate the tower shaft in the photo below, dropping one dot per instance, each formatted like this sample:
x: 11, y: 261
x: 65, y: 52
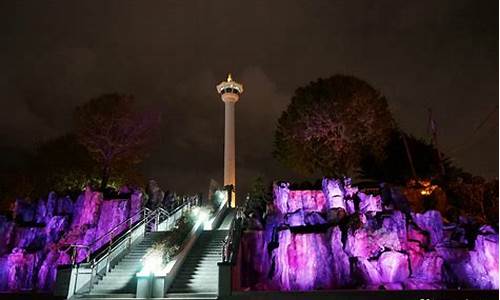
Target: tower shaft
x: 230, y: 93
x: 229, y: 146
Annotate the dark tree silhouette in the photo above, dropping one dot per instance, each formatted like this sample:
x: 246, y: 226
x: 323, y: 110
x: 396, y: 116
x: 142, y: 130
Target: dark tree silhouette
x: 329, y: 124
x: 62, y: 165
x: 395, y: 167
x: 114, y: 132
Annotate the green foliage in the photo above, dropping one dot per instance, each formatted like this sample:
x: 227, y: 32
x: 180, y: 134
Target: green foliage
x: 329, y: 124
x: 258, y: 197
x: 171, y: 245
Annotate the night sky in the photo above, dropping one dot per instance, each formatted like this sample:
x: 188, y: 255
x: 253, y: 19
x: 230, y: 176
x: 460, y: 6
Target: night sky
x: 55, y: 55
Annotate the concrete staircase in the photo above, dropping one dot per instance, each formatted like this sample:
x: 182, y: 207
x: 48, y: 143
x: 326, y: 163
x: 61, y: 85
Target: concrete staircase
x: 198, y: 276
x: 120, y: 282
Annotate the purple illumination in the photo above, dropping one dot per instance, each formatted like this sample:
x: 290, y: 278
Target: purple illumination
x: 33, y: 247
x: 387, y: 249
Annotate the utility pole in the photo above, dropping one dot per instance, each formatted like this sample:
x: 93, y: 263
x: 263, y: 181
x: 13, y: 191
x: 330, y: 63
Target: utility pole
x: 433, y: 130
x: 408, y: 153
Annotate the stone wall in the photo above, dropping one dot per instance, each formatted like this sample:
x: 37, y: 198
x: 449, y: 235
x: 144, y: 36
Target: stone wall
x: 34, y: 243
x: 339, y: 238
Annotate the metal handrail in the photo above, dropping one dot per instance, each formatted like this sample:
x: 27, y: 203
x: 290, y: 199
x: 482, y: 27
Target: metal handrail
x: 229, y: 244
x: 89, y: 247
x: 148, y: 216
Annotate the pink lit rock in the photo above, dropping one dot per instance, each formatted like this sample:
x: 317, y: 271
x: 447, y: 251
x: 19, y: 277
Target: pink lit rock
x: 363, y: 244
x: 48, y: 271
x: 33, y: 238
x: 484, y: 260
x: 340, y: 266
x: 368, y: 272
x: 393, y: 267
x: 113, y: 213
x: 428, y: 268
x: 369, y: 203
x: 418, y: 284
x: 87, y: 208
x: 55, y: 228
x: 254, y: 257
x: 334, y: 193
x: 281, y: 193
x: 432, y: 222
x: 21, y: 267
x: 417, y: 235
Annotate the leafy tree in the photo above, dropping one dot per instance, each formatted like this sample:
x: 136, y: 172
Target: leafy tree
x: 329, y: 124
x: 258, y: 197
x: 396, y: 168
x: 114, y: 132
x: 62, y: 165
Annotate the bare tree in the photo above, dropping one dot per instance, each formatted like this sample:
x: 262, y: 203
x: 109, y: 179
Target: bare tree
x: 114, y: 132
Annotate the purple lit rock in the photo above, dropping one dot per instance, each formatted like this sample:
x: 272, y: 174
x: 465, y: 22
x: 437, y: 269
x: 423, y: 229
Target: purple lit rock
x: 136, y: 204
x: 340, y: 266
x: 255, y: 258
x: 55, y: 228
x: 313, y: 201
x: 295, y: 219
x: 369, y: 203
x: 418, y: 284
x: 6, y: 234
x: 432, y: 222
x: 428, y: 268
x: 484, y: 260
x: 41, y: 211
x: 87, y: 208
x: 48, y: 271
x: 334, y: 193
x: 33, y: 238
x: 393, y: 267
x: 21, y: 267
x: 64, y: 206
x: 366, y: 242
x: 396, y: 222
x: 368, y: 272
x: 363, y: 244
x: 281, y: 193
x: 113, y: 213
x: 417, y: 235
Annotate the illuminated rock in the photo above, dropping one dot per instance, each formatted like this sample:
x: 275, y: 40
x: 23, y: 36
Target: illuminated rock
x: 432, y: 222
x: 369, y: 203
x: 368, y: 272
x: 281, y: 193
x: 55, y: 228
x: 340, y: 265
x: 393, y: 267
x: 334, y: 193
x: 6, y: 234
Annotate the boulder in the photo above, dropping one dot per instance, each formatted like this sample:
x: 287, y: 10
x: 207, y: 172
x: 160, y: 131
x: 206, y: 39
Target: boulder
x: 432, y: 222
x: 368, y: 273
x: 334, y: 193
x: 340, y: 265
x: 369, y: 203
x: 281, y: 193
x: 393, y: 267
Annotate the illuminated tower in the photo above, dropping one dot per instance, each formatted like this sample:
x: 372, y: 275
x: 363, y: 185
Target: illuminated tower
x: 230, y: 93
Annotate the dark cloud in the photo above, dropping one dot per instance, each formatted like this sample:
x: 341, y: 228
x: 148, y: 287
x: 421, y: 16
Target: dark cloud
x: 55, y: 55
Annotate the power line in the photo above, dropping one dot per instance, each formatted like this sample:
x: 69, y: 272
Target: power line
x: 474, y: 132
